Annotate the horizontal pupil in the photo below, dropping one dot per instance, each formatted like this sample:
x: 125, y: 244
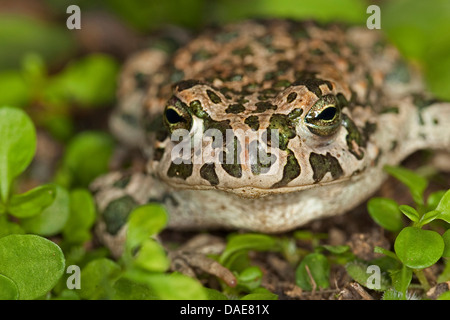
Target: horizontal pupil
x: 327, y: 114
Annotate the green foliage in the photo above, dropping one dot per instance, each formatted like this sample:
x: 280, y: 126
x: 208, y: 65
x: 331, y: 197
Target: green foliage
x: 21, y: 35
x: 78, y: 170
x: 87, y: 82
x: 237, y: 244
x: 314, y: 270
x: 17, y: 148
x: 358, y: 271
x: 415, y: 248
x: 386, y: 213
x: 53, y: 218
x: 34, y: 264
x: 418, y: 248
x: 82, y: 216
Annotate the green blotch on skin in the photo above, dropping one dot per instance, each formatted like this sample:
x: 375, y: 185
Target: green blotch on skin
x: 295, y: 114
x: 197, y: 109
x: 141, y: 80
x: 243, y: 52
x: 368, y: 130
x: 264, y: 106
x: 182, y: 170
x: 400, y: 73
x: 213, y: 96
x: 353, y: 137
x: 201, y: 55
x: 122, y: 182
x: 116, y: 213
x: 252, y: 122
x: 285, y: 127
x: 208, y: 172
x: 290, y: 171
x: 291, y: 97
x: 422, y: 102
x: 176, y: 76
x: 233, y: 168
x: 313, y: 85
x: 235, y: 108
x: 321, y: 164
x: 263, y: 163
x: 186, y: 84
x: 389, y: 109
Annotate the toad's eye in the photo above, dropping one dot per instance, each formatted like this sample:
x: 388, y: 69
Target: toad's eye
x: 324, y: 118
x: 177, y: 116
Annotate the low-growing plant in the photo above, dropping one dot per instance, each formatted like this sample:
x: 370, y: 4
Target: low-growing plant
x: 418, y: 244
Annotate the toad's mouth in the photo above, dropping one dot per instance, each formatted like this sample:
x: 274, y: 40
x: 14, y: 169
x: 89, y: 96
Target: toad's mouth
x: 252, y: 192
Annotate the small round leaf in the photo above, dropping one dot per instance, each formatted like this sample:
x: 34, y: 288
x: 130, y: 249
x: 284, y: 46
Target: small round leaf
x: 8, y: 289
x: 315, y: 266
x: 35, y: 264
x: 418, y: 248
x: 144, y: 222
x: 385, y: 212
x: 17, y: 147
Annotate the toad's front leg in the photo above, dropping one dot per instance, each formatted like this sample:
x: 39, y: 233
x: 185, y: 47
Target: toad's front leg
x: 118, y: 193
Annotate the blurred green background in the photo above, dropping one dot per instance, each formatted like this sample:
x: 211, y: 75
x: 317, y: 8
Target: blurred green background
x: 66, y: 79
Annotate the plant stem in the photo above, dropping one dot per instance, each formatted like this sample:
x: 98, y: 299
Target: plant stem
x: 422, y: 279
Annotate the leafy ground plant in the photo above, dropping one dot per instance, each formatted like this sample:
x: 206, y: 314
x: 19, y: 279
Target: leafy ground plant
x: 417, y: 245
x: 30, y: 265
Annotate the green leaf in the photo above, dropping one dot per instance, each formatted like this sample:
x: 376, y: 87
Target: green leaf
x: 53, y: 219
x: 89, y: 81
x: 410, y: 212
x: 82, y: 217
x: 78, y: 169
x: 388, y: 253
x: 22, y: 34
x: 444, y: 296
x: 319, y: 271
x: 249, y: 241
x: 125, y: 289
x: 8, y: 289
x: 392, y: 294
x: 418, y: 248
x: 260, y: 294
x: 33, y: 202
x: 336, y: 249
x: 433, y: 199
x: 152, y: 257
x: 385, y: 213
x: 428, y: 217
x: 446, y: 238
x: 415, y: 183
x: 361, y: 273
x: 15, y: 90
x: 173, y: 286
x: 144, y: 222
x: 17, y: 148
x: 97, y: 279
x: 214, y: 294
x: 250, y: 278
x: 35, y: 264
x: 401, y: 279
x: 444, y: 207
